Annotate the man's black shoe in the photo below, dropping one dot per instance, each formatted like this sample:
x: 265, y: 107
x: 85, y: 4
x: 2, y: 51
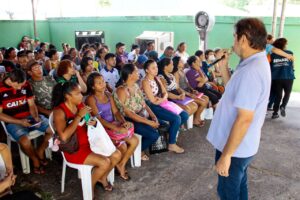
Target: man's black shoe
x: 275, y: 116
x: 282, y: 111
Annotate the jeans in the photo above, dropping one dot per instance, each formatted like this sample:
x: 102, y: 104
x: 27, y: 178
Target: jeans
x: 148, y: 133
x: 212, y: 94
x: 175, y: 121
x: 17, y: 131
x: 279, y: 86
x: 234, y: 187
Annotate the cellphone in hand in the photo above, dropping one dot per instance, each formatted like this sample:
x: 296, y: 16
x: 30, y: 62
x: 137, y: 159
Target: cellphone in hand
x: 34, y: 123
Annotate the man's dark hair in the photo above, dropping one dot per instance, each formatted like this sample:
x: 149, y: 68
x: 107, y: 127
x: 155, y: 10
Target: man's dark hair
x: 52, y: 47
x: 42, y: 44
x: 40, y: 51
x: 93, y: 46
x: 3, y: 49
x: 84, y: 47
x: 254, y: 30
x: 269, y: 37
x: 150, y: 43
x: 191, y: 60
x: 28, y: 52
x: 105, y: 46
x: 8, y: 51
x: 97, y: 44
x: 198, y: 53
x: 169, y: 48
x: 17, y: 75
x: 31, y: 64
x: 280, y: 43
x: 109, y: 55
x: 207, y: 52
x: 51, y: 53
x: 119, y: 44
x: 22, y: 53
x: 134, y: 46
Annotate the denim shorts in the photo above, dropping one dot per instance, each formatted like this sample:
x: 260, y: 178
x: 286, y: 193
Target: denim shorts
x: 16, y: 131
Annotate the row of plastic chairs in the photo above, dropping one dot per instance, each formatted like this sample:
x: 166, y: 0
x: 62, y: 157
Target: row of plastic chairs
x: 33, y: 135
x: 84, y: 171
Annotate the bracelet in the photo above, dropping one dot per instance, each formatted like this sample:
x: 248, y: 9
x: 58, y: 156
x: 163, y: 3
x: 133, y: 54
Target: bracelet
x: 79, y: 116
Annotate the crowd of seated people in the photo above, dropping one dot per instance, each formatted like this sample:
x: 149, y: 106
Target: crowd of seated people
x: 123, y: 90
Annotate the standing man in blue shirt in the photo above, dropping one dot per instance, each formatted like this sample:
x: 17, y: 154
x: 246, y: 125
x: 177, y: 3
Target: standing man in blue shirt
x: 236, y: 127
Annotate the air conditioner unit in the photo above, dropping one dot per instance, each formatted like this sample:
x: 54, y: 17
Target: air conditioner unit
x: 161, y: 40
x: 89, y: 37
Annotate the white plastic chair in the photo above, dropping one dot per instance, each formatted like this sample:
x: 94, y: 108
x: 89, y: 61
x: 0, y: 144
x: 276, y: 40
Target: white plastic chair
x: 189, y: 123
x: 136, y: 157
x: 84, y: 172
x: 24, y: 158
x: 208, y: 113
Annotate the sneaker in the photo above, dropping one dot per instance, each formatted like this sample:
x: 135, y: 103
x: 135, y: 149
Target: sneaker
x: 275, y: 116
x: 282, y: 111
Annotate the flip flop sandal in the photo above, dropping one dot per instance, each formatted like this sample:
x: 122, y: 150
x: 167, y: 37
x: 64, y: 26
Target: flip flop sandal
x: 201, y: 124
x: 108, y: 187
x: 145, y: 157
x: 38, y: 170
x: 125, y: 178
x: 44, y: 162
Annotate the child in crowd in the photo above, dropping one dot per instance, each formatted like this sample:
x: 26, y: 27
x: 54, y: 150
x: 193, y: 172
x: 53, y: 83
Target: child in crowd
x: 109, y: 72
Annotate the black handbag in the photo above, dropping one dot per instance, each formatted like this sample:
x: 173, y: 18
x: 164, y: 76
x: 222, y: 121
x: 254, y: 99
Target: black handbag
x: 161, y: 144
x: 71, y: 146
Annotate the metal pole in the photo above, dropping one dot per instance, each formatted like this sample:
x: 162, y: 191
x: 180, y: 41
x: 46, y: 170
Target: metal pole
x: 282, y: 19
x: 274, y: 20
x: 202, y: 40
x: 34, y: 19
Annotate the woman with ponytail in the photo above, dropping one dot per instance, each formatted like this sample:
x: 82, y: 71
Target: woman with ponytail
x: 120, y: 131
x: 175, y: 93
x: 130, y: 101
x: 156, y: 94
x: 67, y: 116
x: 201, y: 100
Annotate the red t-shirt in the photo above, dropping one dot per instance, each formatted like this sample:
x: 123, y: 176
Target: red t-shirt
x: 15, y: 102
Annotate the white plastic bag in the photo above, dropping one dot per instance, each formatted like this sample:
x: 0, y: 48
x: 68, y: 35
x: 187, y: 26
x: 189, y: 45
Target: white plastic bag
x: 99, y: 140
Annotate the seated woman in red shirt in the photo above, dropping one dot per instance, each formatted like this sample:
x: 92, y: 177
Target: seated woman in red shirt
x: 68, y: 113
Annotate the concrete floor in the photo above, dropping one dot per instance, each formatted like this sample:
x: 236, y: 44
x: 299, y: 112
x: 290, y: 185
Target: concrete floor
x: 274, y: 173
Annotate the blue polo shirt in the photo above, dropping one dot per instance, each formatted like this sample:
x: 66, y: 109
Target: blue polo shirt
x: 249, y: 89
x: 281, y: 67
